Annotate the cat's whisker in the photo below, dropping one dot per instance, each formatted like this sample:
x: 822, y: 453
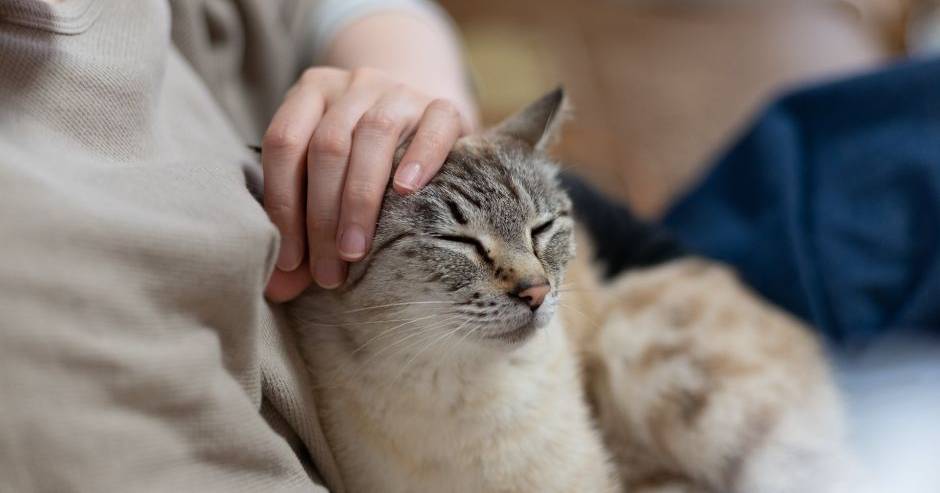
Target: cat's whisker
x: 456, y: 344
x: 591, y: 320
x: 414, y: 332
x: 572, y: 307
x: 440, y: 338
x: 367, y: 322
x: 390, y: 329
x: 404, y: 303
x: 410, y: 333
x: 425, y: 338
x: 432, y: 334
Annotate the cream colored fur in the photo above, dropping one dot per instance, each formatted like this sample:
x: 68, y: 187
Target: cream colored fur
x: 458, y: 419
x: 701, y: 386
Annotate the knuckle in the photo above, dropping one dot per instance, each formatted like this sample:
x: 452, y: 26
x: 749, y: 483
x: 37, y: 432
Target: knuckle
x: 434, y: 139
x: 281, y: 213
x: 331, y: 141
x: 379, y: 120
x: 446, y: 107
x: 277, y: 209
x: 401, y: 90
x: 310, y: 75
x: 364, y: 190
x: 365, y: 74
x: 318, y: 75
x: 279, y: 139
x: 320, y: 224
x: 363, y: 194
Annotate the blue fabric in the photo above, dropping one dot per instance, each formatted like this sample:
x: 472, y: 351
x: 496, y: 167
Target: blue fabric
x: 829, y: 205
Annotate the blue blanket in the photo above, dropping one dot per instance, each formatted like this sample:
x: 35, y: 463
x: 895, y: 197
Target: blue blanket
x: 829, y: 205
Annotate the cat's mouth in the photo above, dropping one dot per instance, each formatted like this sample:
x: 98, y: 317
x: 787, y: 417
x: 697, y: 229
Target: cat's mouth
x: 530, y: 323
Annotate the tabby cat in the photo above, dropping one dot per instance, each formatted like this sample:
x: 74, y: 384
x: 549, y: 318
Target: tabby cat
x: 442, y: 366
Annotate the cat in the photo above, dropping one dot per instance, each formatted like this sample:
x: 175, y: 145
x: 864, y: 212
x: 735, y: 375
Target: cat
x: 441, y: 364
x: 697, y: 383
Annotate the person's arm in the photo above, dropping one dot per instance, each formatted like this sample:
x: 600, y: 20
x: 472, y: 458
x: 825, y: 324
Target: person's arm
x: 327, y: 153
x: 421, y: 52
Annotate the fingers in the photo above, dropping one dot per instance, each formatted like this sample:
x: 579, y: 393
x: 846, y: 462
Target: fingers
x: 283, y: 157
x: 327, y: 162
x: 374, y: 142
x: 438, y: 130
x: 335, y: 135
x: 285, y: 286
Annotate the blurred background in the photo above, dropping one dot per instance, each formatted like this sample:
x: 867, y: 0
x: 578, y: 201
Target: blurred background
x: 659, y: 86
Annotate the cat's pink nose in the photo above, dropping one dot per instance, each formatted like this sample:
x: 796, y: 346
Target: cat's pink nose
x: 533, y: 293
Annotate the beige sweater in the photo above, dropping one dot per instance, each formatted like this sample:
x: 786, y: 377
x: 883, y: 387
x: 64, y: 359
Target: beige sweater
x: 136, y: 351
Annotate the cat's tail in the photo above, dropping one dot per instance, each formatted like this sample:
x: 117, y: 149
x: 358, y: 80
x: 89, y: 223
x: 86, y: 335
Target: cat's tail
x: 621, y: 240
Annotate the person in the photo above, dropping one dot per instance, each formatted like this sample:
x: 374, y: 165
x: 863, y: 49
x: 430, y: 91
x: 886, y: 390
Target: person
x: 137, y: 351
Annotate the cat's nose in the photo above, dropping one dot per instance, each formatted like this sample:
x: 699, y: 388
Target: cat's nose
x: 533, y: 291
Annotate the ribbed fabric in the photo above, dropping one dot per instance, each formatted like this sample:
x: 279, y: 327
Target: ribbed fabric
x: 70, y: 17
x: 136, y: 351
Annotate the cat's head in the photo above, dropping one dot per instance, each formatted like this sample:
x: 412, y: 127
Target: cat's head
x: 481, y: 250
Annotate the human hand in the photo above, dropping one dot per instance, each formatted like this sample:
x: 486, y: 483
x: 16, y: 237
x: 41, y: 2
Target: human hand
x: 327, y: 157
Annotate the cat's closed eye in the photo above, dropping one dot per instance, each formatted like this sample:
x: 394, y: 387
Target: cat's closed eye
x: 541, y: 228
x: 545, y: 226
x: 467, y: 240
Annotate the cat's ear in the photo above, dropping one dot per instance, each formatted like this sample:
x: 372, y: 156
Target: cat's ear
x: 537, y: 125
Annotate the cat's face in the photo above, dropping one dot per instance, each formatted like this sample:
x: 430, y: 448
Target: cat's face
x: 481, y: 250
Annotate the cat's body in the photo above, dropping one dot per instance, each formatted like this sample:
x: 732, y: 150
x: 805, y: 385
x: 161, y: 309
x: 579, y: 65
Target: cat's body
x: 440, y: 364
x: 701, y: 386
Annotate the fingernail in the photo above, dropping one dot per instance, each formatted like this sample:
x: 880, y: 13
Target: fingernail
x: 289, y: 257
x: 329, y: 273
x: 408, y: 177
x: 352, y: 242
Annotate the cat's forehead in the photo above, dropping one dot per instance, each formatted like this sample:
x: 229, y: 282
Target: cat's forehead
x: 484, y: 187
x: 500, y: 174
x: 506, y: 185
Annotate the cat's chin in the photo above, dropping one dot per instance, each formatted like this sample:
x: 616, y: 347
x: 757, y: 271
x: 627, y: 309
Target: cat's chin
x: 523, y: 332
x: 516, y: 336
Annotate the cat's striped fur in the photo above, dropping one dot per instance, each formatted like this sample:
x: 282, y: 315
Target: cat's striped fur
x: 435, y: 374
